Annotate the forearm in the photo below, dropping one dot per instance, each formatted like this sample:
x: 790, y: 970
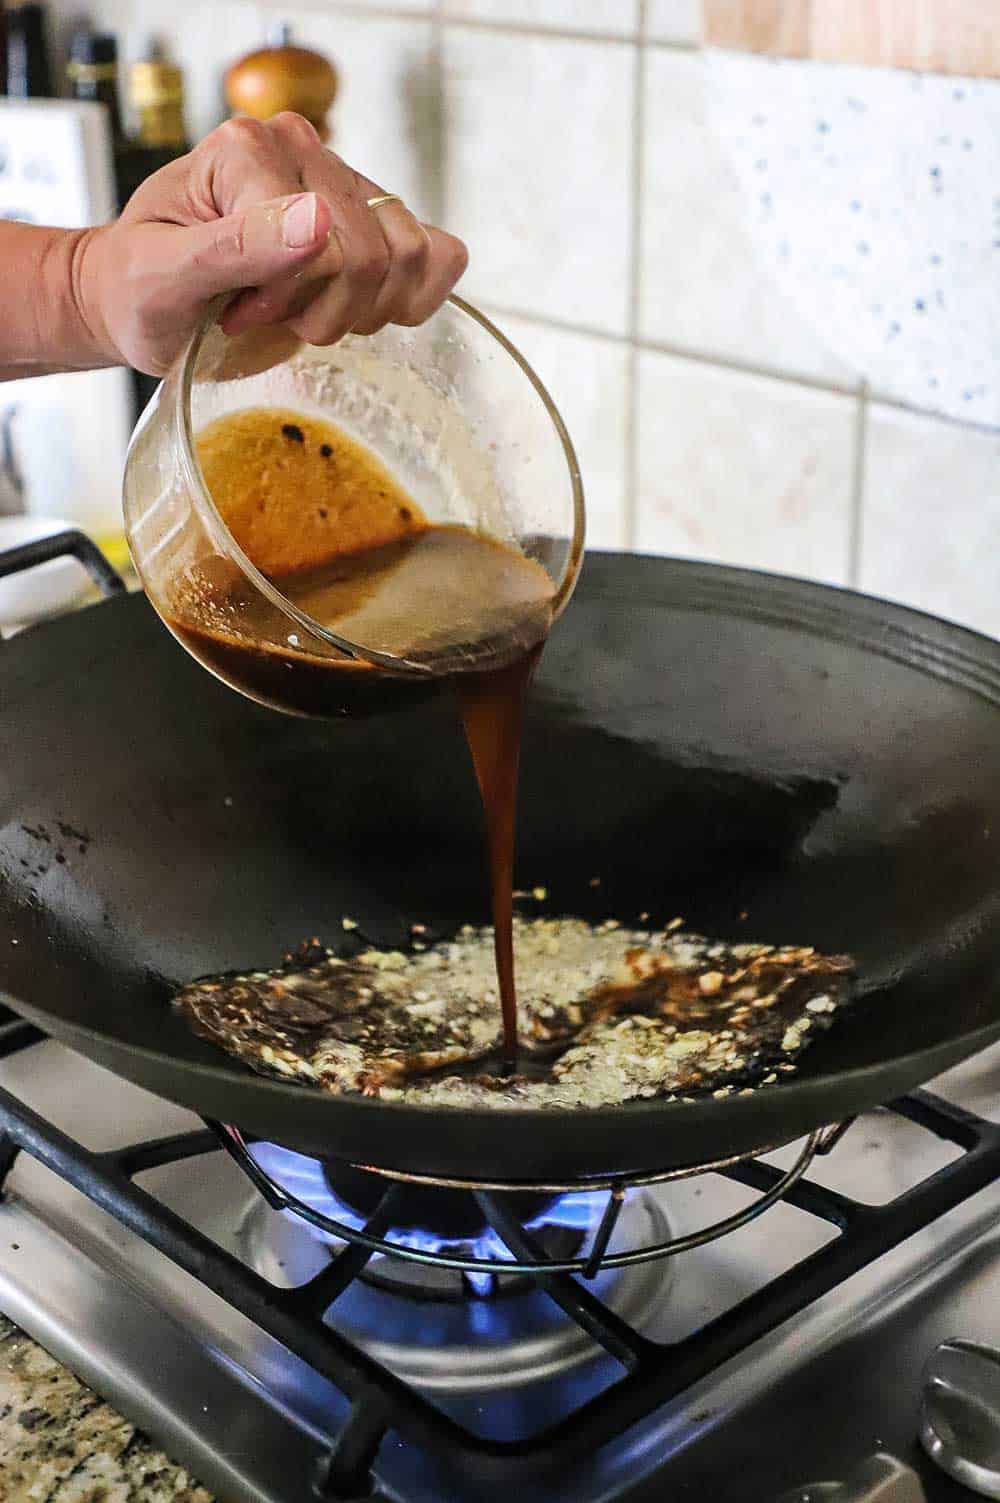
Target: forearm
x: 43, y: 326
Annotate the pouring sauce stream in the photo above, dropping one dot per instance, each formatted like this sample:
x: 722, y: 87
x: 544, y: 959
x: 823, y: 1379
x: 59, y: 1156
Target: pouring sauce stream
x: 492, y: 706
x: 358, y: 556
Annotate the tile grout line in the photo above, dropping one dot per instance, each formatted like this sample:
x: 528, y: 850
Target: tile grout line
x: 532, y: 29
x: 552, y: 321
x: 573, y: 33
x: 747, y: 368
x: 739, y: 367
x: 630, y: 519
x: 967, y: 425
x: 855, y: 535
x: 438, y: 15
x: 437, y: 21
x: 529, y: 29
x: 678, y: 352
x: 435, y: 8
x: 359, y: 11
x: 389, y: 11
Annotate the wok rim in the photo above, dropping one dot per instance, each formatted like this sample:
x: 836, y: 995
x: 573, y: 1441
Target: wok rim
x: 927, y: 644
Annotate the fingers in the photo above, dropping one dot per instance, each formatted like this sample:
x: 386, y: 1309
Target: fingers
x: 445, y: 266
x: 342, y: 283
x: 251, y: 248
x: 239, y: 164
x: 378, y: 266
x: 424, y: 265
x: 348, y: 298
x: 409, y: 279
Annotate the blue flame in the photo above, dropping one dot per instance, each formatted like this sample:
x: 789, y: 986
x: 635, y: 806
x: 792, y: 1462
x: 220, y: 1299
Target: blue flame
x: 303, y: 1178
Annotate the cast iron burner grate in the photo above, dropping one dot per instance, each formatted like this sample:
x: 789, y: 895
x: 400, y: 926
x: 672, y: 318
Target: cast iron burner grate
x: 652, y: 1373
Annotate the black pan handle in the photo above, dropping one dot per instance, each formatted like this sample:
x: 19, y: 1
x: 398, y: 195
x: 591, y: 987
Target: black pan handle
x: 73, y: 543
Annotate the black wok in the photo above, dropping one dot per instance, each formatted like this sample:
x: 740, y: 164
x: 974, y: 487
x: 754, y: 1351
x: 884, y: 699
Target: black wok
x: 770, y: 759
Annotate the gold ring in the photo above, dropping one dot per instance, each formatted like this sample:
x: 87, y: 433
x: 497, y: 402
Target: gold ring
x: 384, y: 198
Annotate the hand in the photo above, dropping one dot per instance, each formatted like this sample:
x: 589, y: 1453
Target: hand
x: 264, y: 211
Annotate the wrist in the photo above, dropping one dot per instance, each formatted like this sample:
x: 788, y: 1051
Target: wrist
x: 86, y: 325
x: 56, y: 324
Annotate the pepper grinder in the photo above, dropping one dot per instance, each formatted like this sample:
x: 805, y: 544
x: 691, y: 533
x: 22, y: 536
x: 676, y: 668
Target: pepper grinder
x: 282, y: 76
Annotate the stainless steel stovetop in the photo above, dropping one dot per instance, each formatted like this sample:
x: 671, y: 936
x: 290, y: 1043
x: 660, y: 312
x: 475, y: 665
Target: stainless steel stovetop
x: 824, y: 1408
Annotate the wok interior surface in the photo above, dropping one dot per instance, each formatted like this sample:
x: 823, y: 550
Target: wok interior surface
x: 705, y: 742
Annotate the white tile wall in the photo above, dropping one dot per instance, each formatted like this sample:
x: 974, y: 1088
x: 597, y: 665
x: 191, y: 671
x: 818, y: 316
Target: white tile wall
x: 538, y: 172
x: 872, y: 193
x: 587, y: 377
x: 204, y: 40
x: 673, y: 21
x: 704, y: 284
x: 614, y: 17
x: 744, y: 470
x: 931, y: 520
x: 684, y: 361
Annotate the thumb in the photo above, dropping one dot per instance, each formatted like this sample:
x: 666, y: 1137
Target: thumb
x: 252, y: 247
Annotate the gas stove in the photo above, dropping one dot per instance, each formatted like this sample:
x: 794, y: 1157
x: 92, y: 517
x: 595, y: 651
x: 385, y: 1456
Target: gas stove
x: 285, y: 1354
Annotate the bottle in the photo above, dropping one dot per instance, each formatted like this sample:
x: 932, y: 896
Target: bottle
x: 92, y: 71
x: 93, y: 74
x: 156, y: 98
x: 156, y: 94
x: 29, y: 71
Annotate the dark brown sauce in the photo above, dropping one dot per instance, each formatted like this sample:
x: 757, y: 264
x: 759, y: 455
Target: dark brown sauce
x: 443, y: 594
x: 492, y: 706
x: 432, y: 595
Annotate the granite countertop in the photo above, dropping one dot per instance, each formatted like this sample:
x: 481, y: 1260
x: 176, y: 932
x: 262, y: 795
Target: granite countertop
x: 60, y: 1443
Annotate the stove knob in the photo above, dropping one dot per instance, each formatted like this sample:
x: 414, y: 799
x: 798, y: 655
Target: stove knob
x: 960, y: 1414
x: 879, y: 1479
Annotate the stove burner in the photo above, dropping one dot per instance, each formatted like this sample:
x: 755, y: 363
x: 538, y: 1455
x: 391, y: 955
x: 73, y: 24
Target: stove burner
x: 449, y: 1221
x: 453, y: 1214
x: 421, y: 1281
x: 211, y: 1284
x: 439, y: 1327
x: 434, y: 1220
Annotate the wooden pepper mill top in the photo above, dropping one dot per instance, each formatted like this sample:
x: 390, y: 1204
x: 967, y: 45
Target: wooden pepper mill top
x: 282, y: 76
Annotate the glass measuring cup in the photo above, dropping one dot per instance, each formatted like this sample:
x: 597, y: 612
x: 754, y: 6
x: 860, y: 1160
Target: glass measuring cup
x: 453, y: 411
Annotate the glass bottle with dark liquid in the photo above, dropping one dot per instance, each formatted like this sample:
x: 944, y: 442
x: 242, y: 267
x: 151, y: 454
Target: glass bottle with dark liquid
x: 333, y: 531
